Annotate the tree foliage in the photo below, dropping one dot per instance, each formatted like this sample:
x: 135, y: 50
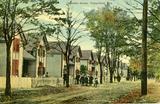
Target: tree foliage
x: 109, y: 29
x: 15, y: 15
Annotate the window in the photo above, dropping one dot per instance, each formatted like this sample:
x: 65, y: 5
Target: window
x: 90, y: 61
x: 16, y: 43
x: 41, y: 69
x: 34, y: 52
x: 15, y: 64
x: 77, y: 59
x: 41, y: 52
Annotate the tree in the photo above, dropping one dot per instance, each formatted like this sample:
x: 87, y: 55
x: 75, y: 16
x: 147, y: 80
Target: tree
x: 67, y: 35
x: 144, y: 49
x: 15, y: 15
x: 93, y: 24
x: 108, y: 30
x: 83, y: 69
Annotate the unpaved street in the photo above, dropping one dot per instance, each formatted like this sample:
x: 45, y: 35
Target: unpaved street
x: 123, y: 92
x: 78, y: 94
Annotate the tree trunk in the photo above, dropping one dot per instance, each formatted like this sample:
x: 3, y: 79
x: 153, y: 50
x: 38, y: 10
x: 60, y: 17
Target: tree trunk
x: 67, y: 64
x: 118, y: 65
x: 110, y: 69
x: 144, y: 50
x: 101, y: 73
x: 8, y: 71
x: 67, y: 81
x: 111, y: 76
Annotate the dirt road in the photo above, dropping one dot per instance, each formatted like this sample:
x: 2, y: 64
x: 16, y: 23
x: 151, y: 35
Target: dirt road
x: 103, y: 94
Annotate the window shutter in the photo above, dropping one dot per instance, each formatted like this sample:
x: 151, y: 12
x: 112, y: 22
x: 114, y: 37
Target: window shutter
x: 43, y: 53
x: 39, y: 52
x: 15, y: 64
x: 16, y: 43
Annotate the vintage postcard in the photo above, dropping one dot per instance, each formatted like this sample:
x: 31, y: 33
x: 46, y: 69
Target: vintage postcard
x: 79, y: 51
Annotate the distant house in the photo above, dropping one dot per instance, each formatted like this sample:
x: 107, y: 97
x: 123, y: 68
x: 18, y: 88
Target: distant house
x: 87, y: 60
x: 124, y: 69
x: 38, y: 48
x: 75, y: 58
x: 104, y: 67
x: 95, y: 64
x: 56, y: 60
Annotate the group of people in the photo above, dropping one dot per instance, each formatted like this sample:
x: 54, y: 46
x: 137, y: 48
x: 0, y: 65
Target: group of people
x: 86, y: 80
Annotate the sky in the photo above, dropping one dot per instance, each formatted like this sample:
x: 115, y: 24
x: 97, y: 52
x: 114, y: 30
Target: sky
x: 80, y: 6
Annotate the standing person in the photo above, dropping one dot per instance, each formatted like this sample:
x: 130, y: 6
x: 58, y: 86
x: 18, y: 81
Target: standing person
x: 82, y: 80
x: 86, y: 80
x: 77, y: 78
x: 95, y: 82
x: 90, y: 80
x: 64, y: 77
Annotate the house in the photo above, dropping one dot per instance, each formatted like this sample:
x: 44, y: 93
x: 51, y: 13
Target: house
x: 96, y: 64
x: 75, y: 58
x: 105, y: 68
x: 97, y: 67
x: 124, y: 69
x: 56, y: 60
x: 87, y: 60
x: 38, y: 48
x: 18, y: 54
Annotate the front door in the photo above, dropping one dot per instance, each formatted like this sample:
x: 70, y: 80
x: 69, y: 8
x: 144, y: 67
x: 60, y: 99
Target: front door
x: 25, y: 68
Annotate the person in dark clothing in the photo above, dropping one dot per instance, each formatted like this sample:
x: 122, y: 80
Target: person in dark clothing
x: 95, y: 82
x: 90, y: 80
x: 86, y: 80
x: 64, y: 77
x: 77, y: 79
x: 82, y: 80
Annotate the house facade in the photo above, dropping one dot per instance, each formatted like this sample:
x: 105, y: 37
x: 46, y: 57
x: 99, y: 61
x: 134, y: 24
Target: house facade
x: 17, y: 56
x: 38, y: 49
x: 56, y: 60
x: 88, y: 61
x: 28, y: 63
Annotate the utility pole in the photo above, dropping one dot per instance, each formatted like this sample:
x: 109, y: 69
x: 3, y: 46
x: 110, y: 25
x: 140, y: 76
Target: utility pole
x: 144, y: 49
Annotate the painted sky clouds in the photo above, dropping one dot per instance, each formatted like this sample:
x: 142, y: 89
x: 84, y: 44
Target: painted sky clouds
x: 78, y: 7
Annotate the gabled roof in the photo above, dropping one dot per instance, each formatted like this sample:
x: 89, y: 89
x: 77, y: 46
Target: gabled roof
x: 87, y: 54
x: 33, y: 42
x: 95, y: 56
x: 58, y: 47
x: 76, y: 49
x: 103, y: 58
x: 28, y: 56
